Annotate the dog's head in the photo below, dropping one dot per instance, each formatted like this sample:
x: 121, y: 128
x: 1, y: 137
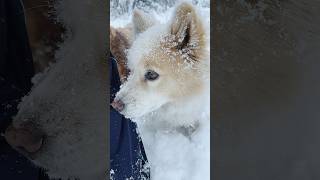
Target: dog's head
x: 166, y: 63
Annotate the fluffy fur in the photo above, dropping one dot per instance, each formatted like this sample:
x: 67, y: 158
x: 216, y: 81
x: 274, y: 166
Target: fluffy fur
x: 43, y: 31
x: 170, y: 108
x: 69, y: 103
x: 120, y: 42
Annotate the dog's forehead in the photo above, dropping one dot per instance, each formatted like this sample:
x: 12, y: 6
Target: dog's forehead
x: 146, y: 45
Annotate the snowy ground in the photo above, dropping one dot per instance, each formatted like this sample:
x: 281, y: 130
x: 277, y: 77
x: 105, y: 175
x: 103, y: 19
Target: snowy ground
x: 190, y: 159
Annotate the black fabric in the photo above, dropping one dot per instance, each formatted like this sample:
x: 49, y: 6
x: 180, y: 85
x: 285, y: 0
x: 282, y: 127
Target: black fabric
x: 16, y: 67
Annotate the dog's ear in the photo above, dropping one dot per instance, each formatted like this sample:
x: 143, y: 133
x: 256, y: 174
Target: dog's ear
x: 187, y: 30
x: 141, y: 21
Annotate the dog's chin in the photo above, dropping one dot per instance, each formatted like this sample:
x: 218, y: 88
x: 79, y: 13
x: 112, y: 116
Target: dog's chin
x: 132, y: 115
x: 135, y: 115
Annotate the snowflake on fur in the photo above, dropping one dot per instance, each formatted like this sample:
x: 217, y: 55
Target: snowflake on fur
x: 170, y: 45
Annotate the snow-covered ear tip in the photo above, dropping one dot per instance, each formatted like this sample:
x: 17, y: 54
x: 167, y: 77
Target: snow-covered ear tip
x: 141, y: 21
x: 184, y: 8
x: 183, y: 18
x: 186, y: 29
x: 137, y: 13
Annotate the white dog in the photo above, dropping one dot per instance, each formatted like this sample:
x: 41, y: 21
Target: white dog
x: 167, y: 93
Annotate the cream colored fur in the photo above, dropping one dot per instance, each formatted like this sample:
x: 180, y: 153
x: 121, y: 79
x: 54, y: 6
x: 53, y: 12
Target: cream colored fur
x: 170, y: 108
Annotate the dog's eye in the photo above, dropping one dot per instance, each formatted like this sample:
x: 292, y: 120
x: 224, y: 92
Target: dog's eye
x: 151, y: 75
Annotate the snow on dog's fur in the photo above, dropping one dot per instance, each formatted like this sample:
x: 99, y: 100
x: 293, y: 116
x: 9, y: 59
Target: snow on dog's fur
x: 167, y: 93
x: 69, y: 103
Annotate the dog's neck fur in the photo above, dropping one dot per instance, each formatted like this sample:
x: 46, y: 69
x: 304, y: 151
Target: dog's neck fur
x: 181, y: 117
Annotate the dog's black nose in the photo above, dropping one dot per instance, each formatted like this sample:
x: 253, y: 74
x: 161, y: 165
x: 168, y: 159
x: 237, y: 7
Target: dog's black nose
x: 27, y: 137
x: 118, y: 105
